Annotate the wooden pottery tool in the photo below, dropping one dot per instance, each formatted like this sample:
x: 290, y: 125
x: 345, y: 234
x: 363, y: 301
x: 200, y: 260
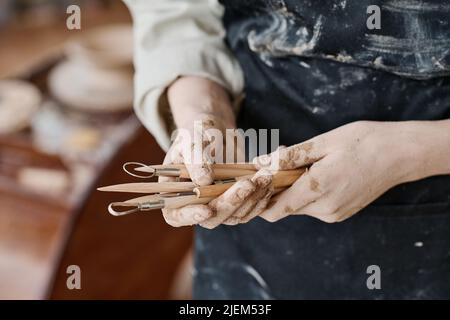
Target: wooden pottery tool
x: 155, y: 202
x: 171, y: 195
x: 221, y: 171
x: 281, y: 179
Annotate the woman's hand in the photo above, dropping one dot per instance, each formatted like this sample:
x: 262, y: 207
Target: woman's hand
x: 351, y: 166
x: 194, y: 147
x: 199, y: 107
x: 245, y: 200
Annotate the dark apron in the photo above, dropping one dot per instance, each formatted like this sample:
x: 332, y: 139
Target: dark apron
x: 312, y: 66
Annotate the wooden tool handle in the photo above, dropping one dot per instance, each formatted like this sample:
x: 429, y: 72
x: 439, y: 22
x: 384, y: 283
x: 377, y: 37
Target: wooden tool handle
x: 170, y: 202
x: 149, y: 187
x: 225, y: 171
x: 221, y: 171
x: 178, y: 202
x: 281, y: 179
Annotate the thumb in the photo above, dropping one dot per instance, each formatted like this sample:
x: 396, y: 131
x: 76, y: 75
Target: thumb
x: 292, y: 157
x: 198, y: 165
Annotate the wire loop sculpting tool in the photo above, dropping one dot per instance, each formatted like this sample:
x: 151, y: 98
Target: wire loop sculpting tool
x: 155, y: 202
x: 221, y: 171
x: 172, y: 195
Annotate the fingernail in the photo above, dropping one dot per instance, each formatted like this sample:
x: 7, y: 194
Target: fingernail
x: 232, y: 221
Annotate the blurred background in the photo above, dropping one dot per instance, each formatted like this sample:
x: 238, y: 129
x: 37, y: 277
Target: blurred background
x: 66, y: 127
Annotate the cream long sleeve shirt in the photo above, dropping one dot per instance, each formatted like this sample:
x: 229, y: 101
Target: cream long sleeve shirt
x: 175, y: 38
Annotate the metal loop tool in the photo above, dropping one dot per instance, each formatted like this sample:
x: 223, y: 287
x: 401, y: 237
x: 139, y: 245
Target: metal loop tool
x: 152, y: 171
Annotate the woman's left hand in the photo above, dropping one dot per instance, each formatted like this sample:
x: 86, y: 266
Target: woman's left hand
x: 351, y: 166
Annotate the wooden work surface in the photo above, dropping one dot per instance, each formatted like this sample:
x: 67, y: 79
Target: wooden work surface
x: 129, y: 257
x: 29, y: 238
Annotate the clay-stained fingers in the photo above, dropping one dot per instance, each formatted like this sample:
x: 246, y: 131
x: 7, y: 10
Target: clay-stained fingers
x: 260, y: 206
x: 201, y: 174
x: 262, y: 180
x: 198, y: 164
x: 253, y: 210
x: 187, y: 216
x: 196, y: 158
x: 246, y: 207
x: 303, y: 192
x: 227, y: 203
x: 292, y: 157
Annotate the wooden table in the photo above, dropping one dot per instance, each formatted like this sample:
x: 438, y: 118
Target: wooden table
x: 131, y: 257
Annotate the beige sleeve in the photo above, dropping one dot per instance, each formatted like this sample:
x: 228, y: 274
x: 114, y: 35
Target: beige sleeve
x: 176, y: 38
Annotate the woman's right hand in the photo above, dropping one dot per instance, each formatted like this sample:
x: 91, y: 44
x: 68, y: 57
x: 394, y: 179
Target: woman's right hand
x: 182, y: 152
x: 199, y: 106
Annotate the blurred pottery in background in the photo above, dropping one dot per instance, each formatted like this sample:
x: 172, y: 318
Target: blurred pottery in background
x: 52, y: 181
x: 85, y: 88
x: 5, y: 11
x: 56, y: 133
x: 97, y: 75
x: 107, y: 47
x: 19, y: 101
x: 92, y: 91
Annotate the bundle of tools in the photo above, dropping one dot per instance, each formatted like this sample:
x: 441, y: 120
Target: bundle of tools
x: 171, y: 195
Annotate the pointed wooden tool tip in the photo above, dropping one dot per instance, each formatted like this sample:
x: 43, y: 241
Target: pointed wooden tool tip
x: 109, y: 188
